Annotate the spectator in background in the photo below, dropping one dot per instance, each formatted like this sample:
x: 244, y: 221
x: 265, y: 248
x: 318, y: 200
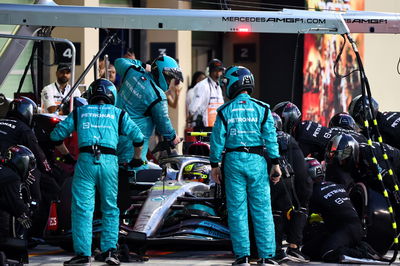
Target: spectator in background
x: 112, y: 73
x: 102, y: 67
x: 53, y: 93
x: 173, y: 95
x: 207, y: 96
x: 196, y: 78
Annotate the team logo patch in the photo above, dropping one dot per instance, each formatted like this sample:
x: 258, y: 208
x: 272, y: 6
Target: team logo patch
x: 247, y: 80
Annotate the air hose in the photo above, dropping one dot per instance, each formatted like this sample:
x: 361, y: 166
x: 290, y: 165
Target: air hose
x: 365, y: 89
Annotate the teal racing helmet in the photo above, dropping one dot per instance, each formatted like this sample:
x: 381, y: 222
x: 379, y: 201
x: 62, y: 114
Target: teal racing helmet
x: 102, y: 89
x: 164, y: 68
x: 235, y: 80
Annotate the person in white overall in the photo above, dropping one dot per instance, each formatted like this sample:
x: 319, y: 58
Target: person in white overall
x: 53, y: 93
x: 207, y: 97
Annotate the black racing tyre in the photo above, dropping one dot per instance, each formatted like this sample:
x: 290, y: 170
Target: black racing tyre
x: 359, y: 197
x: 372, y: 209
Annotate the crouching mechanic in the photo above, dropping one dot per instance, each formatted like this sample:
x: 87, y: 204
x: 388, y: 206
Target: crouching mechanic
x: 98, y: 125
x: 15, y: 177
x: 290, y: 197
x: 142, y: 96
x: 244, y: 128
x: 18, y: 162
x: 340, y: 239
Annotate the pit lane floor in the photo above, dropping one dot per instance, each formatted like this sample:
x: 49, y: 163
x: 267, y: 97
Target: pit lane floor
x: 48, y: 255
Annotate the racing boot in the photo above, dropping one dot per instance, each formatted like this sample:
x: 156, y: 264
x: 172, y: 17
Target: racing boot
x: 99, y: 256
x: 112, y: 257
x: 243, y: 261
x: 266, y: 261
x: 296, y: 255
x: 280, y: 256
x: 368, y: 251
x: 78, y: 261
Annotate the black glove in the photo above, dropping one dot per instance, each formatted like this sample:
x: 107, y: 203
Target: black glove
x: 136, y: 163
x: 68, y: 159
x: 25, y: 221
x: 30, y: 179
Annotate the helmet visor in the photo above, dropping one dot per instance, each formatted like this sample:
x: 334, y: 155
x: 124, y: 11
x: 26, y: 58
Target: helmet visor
x: 32, y: 163
x: 172, y: 73
x: 196, y: 177
x: 340, y: 155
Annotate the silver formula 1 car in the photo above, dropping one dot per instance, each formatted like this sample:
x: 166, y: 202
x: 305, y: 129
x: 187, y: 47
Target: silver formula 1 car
x: 182, y: 210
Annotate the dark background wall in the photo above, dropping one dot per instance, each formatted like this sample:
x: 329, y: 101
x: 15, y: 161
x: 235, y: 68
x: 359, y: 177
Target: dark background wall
x: 277, y: 54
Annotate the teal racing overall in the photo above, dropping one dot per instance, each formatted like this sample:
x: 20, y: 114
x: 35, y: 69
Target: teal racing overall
x: 98, y: 128
x: 145, y: 103
x: 245, y: 129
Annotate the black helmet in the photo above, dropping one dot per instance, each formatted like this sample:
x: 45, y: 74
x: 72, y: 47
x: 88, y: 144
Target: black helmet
x: 235, y: 80
x: 315, y: 170
x: 164, y: 68
x: 356, y: 109
x: 21, y: 159
x: 277, y: 121
x: 22, y: 108
x: 102, y: 89
x: 289, y: 113
x: 342, y: 120
x: 215, y: 64
x: 342, y: 149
